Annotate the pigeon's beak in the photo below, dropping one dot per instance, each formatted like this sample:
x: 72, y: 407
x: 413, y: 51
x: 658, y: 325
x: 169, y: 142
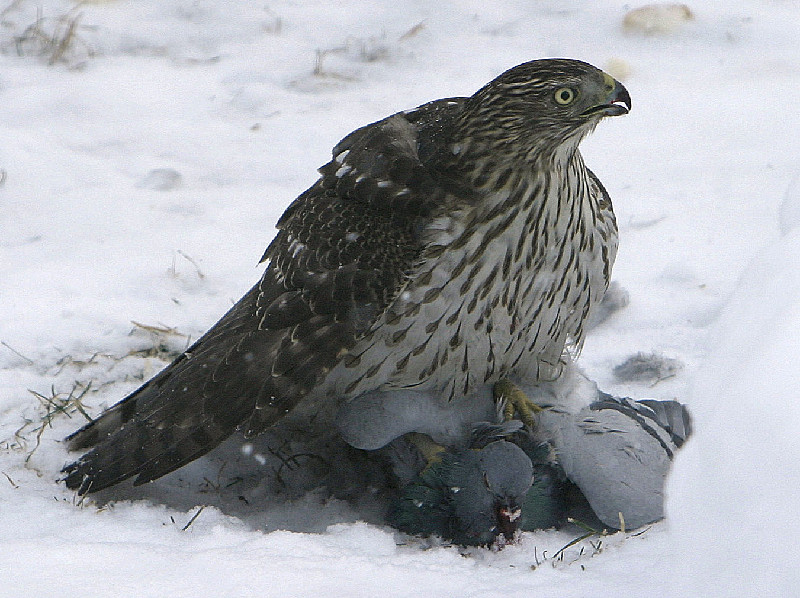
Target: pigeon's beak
x: 617, y: 100
x: 508, y: 521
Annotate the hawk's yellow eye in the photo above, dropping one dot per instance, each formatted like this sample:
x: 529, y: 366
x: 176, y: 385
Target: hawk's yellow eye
x: 565, y: 96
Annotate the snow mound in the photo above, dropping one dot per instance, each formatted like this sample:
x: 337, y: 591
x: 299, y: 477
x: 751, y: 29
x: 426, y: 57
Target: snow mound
x: 733, y: 494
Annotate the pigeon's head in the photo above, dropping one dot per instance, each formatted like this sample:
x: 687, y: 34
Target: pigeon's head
x: 487, y: 489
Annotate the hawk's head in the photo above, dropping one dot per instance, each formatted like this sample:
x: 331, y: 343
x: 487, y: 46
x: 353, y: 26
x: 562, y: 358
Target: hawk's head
x: 545, y: 104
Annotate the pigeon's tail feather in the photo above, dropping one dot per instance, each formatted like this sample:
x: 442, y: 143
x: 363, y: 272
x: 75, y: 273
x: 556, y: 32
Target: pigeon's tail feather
x: 674, y: 417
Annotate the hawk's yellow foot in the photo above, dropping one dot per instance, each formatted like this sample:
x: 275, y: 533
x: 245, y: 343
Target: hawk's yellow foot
x: 430, y: 450
x: 516, y: 403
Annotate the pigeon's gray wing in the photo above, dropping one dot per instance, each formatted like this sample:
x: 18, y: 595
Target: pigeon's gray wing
x: 344, y: 250
x: 618, y: 452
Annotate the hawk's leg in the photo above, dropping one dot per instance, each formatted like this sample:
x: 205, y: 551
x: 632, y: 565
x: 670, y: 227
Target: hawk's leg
x: 516, y: 403
x: 431, y: 451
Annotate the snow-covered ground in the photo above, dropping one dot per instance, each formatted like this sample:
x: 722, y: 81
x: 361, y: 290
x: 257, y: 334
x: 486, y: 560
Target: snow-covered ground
x: 144, y: 169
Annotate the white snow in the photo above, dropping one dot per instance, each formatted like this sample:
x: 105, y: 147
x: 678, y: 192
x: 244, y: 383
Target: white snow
x: 141, y: 175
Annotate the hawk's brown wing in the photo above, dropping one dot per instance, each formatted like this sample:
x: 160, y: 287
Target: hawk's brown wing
x: 344, y: 250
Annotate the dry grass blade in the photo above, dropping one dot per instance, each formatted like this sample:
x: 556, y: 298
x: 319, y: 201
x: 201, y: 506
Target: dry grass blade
x: 192, y: 262
x: 68, y: 360
x: 56, y: 44
x: 17, y: 353
x: 590, y: 532
x: 54, y: 405
x: 191, y: 521
x: 10, y: 481
x: 162, y: 348
x: 290, y: 461
x: 9, y: 9
x: 413, y: 31
x: 157, y: 329
x: 62, y: 41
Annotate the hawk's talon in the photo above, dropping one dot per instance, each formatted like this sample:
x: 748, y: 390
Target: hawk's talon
x: 516, y: 403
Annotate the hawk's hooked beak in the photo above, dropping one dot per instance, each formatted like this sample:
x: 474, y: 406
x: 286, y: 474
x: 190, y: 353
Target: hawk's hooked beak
x: 616, y: 103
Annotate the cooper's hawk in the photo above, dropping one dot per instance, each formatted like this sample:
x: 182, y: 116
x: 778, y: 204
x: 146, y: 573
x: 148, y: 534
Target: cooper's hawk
x: 442, y: 249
